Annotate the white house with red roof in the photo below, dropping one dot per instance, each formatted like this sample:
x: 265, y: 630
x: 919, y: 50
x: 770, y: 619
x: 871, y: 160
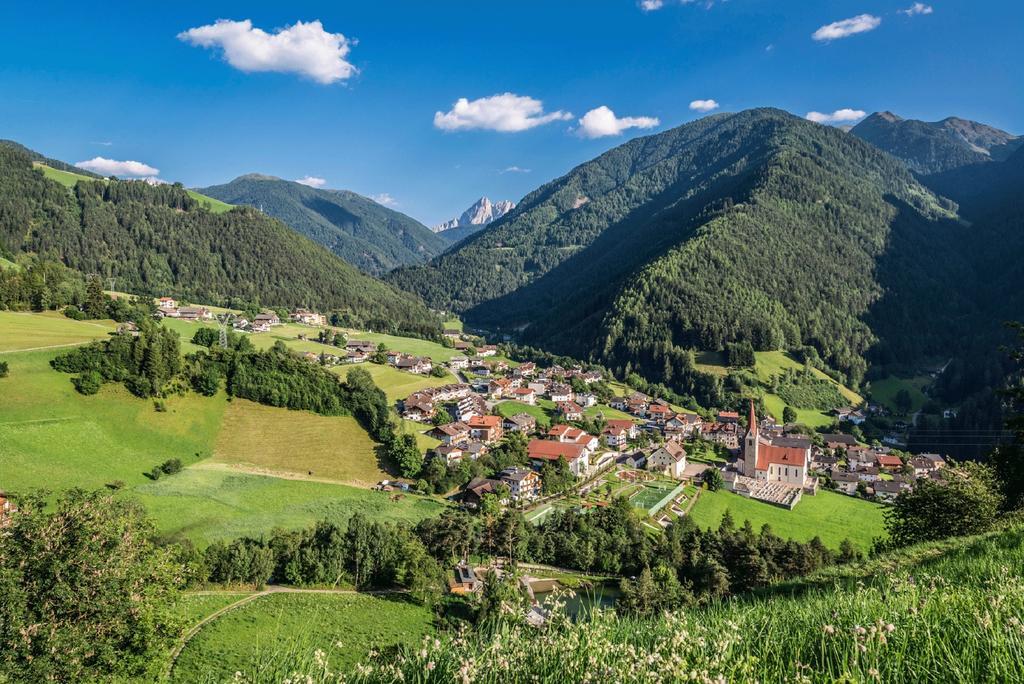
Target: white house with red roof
x: 542, y: 451
x: 785, y: 460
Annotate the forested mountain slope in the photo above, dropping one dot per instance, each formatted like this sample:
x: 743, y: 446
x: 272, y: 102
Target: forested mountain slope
x: 359, y: 230
x: 932, y: 147
x: 158, y: 240
x: 755, y: 226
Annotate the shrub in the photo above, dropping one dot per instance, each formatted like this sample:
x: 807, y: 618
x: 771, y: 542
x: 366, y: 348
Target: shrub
x: 5, y: 369
x: 171, y: 466
x: 88, y: 382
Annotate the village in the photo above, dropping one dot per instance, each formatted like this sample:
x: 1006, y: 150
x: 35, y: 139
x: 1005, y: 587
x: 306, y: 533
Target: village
x: 599, y: 442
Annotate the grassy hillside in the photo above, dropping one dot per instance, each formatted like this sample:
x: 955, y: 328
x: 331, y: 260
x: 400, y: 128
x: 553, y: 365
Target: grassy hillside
x: 949, y: 612
x: 54, y: 438
x: 262, y: 639
x: 357, y: 229
x: 159, y: 240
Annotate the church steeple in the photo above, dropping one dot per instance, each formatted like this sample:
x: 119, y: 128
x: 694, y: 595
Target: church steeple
x: 750, y: 444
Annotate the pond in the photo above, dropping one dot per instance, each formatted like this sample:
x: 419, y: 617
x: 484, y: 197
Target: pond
x: 587, y: 597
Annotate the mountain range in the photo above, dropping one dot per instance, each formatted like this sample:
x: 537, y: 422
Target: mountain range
x: 482, y: 213
x: 757, y: 226
x: 361, y: 231
x: 932, y: 147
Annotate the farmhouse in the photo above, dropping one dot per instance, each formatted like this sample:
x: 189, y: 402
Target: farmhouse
x: 570, y: 410
x: 560, y: 393
x: 659, y: 412
x: 668, y: 460
x: 307, y: 317
x: 194, y: 313
x: 165, y: 303
x: 414, y: 364
x: 839, y: 441
x: 458, y: 362
x: 541, y: 451
x: 266, y: 318
x: 479, y: 487
x: 449, y: 453
x: 451, y: 433
x: 525, y: 395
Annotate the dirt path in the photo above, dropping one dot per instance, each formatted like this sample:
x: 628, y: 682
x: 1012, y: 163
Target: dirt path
x: 692, y: 501
x: 49, y: 346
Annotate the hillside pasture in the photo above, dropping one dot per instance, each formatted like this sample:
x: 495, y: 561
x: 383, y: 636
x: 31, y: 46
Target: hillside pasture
x: 395, y: 383
x: 210, y: 502
x: 20, y: 331
x: 884, y: 391
x: 297, y: 442
x: 269, y: 634
x: 832, y: 517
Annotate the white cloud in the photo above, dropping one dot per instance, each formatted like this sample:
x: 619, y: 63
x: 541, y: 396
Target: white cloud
x: 112, y: 167
x: 917, y: 8
x: 651, y: 5
x: 104, y: 143
x: 838, y: 116
x: 601, y: 122
x: 311, y: 181
x: 506, y: 113
x: 385, y: 199
x: 847, y: 27
x: 704, y: 105
x: 304, y: 48
x: 515, y: 169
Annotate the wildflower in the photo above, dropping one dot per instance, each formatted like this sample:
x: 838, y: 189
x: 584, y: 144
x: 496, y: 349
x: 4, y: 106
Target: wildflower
x: 890, y: 628
x: 430, y: 666
x: 873, y: 673
x: 828, y: 629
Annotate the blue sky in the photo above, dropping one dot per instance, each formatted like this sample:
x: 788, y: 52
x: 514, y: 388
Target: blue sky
x: 115, y: 80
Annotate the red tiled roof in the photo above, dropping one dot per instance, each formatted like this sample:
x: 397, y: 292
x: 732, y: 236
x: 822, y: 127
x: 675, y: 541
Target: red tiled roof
x: 890, y: 461
x: 624, y: 424
x: 768, y: 454
x: 484, y: 421
x: 548, y: 450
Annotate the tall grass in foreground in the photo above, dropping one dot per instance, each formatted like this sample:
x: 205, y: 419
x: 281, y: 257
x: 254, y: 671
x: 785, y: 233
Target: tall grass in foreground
x: 951, y: 612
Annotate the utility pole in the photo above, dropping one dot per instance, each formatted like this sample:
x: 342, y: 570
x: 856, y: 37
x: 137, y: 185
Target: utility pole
x: 223, y: 321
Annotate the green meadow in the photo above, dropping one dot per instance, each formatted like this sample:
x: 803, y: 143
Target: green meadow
x: 884, y: 391
x: 31, y: 331
x: 267, y: 636
x: 830, y: 516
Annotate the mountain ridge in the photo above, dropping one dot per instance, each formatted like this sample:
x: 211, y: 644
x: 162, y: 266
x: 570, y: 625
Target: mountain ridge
x: 358, y: 229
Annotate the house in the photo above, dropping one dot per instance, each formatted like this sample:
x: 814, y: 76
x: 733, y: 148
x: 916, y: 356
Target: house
x: 452, y: 334
x: 451, y: 433
x: 922, y: 466
x: 726, y: 434
x: 937, y: 461
x: 569, y: 434
x: 497, y: 389
x: 449, y: 453
x: 586, y: 399
x: 458, y: 362
x: 869, y: 474
x: 165, y: 303
x: 570, y: 410
x: 590, y: 377
x: 420, y: 411
x: 464, y: 580
x: 839, y: 441
x: 414, y: 364
x: 782, y: 459
x: 637, y: 404
x: 684, y: 425
x: 474, y: 450
x: 355, y: 356
x: 361, y: 346
x: 889, y: 462
x: 887, y: 490
x: 541, y: 451
x: 822, y: 461
x: 729, y: 417
x: 474, y: 492
x: 523, y: 484
x: 269, y: 319
x: 307, y: 317
x: 560, y: 393
x: 194, y: 313
x: 668, y: 460
x: 618, y: 433
x: 486, y: 350
x: 524, y: 395
x: 619, y: 403
x: 659, y: 412
x: 487, y: 429
x: 851, y: 415
x: 525, y: 370
x: 845, y: 482
x: 637, y: 459
x: 520, y: 422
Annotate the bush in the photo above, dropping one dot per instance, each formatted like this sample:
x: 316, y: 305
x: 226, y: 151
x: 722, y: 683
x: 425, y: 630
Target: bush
x: 88, y: 382
x: 159, y: 406
x: 171, y: 466
x: 5, y: 369
x: 73, y: 312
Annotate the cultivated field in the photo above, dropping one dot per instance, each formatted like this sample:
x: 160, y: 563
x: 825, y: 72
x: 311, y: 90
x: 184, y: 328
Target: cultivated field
x: 269, y: 634
x: 832, y: 517
x: 50, y: 329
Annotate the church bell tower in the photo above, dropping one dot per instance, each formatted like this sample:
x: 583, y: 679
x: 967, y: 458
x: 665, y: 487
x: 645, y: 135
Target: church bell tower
x: 750, y: 444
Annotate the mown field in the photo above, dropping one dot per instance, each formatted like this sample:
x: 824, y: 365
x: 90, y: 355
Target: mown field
x: 266, y: 637
x: 884, y: 391
x: 30, y: 331
x: 832, y: 517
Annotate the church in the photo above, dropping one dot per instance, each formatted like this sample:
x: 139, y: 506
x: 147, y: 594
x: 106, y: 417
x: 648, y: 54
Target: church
x: 782, y: 459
